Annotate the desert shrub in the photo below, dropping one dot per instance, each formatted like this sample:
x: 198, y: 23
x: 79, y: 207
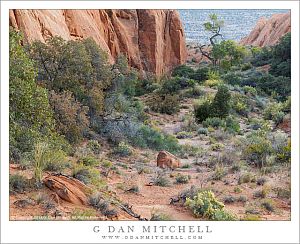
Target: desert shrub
x: 213, y: 82
x: 219, y: 172
x: 232, y: 125
x: 240, y: 104
x: 183, y: 71
x: 251, y: 217
x: 262, y: 193
x: 182, y: 179
x: 184, y: 135
x: 282, y: 192
x: 256, y: 149
x: 221, y: 102
x: 213, y: 122
x: 205, y: 204
x: 242, y: 199
x: 281, y: 145
x: 168, y: 104
x: 161, y: 179
x: 281, y: 57
x: 106, y: 163
x: 217, y: 146
x: 246, y: 66
x: 123, y: 150
x: 268, y: 205
x: 202, y: 131
x: 169, y: 86
x: 223, y: 215
x: 98, y: 202
x: 229, y: 199
x: 272, y: 110
x: 200, y: 75
x: 157, y: 216
x: 261, y: 181
x: 189, y: 123
x: 246, y: 178
x: 271, y: 84
x: 149, y: 137
x: 83, y: 215
x: 94, y: 146
x: 236, y: 167
x: 202, y: 110
x: 70, y: 115
x: 88, y: 161
x: 44, y: 156
x: 18, y: 183
x: 87, y: 175
x: 250, y: 90
x: 147, y: 85
x: 232, y: 78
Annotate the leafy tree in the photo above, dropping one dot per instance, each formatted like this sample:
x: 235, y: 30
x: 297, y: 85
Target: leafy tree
x: 76, y: 66
x: 31, y: 117
x: 214, y: 27
x: 228, y: 53
x: 221, y: 102
x: 70, y: 115
x: 281, y: 57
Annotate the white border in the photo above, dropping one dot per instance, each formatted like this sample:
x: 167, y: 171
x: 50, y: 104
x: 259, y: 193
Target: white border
x: 81, y: 232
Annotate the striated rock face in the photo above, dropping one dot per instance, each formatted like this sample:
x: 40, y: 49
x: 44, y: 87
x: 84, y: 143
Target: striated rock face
x: 267, y: 32
x: 152, y: 40
x: 68, y: 189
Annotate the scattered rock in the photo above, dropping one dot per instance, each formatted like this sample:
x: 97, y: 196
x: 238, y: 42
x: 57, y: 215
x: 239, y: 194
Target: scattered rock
x: 68, y: 188
x: 167, y: 160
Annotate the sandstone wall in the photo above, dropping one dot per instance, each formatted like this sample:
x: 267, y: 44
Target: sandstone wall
x: 267, y: 32
x: 152, y: 40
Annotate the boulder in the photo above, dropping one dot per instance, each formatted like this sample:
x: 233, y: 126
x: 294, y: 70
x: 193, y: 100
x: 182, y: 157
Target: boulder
x: 167, y: 160
x: 152, y: 40
x: 267, y: 32
x: 68, y: 188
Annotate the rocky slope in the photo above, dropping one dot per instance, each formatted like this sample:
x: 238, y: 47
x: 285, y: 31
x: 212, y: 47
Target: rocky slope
x: 267, y: 32
x: 153, y: 40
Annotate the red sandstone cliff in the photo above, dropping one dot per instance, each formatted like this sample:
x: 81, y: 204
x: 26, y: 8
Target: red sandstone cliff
x: 267, y: 32
x: 152, y: 40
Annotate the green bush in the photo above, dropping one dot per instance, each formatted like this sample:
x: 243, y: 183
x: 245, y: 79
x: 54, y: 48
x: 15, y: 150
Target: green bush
x: 205, y: 204
x: 240, y: 104
x: 183, y: 71
x: 161, y: 180
x: 256, y: 149
x: 123, y: 150
x: 182, y: 179
x: 87, y: 175
x: 202, y: 131
x: 88, y: 161
x: 168, y: 104
x: 200, y: 75
x: 18, y: 183
x: 156, y: 216
x: 94, y: 146
x: 221, y: 102
x: 202, y: 110
x: 246, y: 178
x: 213, y: 122
x: 44, y: 156
x: 213, y: 82
x: 30, y: 114
x: 232, y: 125
x: 219, y: 173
